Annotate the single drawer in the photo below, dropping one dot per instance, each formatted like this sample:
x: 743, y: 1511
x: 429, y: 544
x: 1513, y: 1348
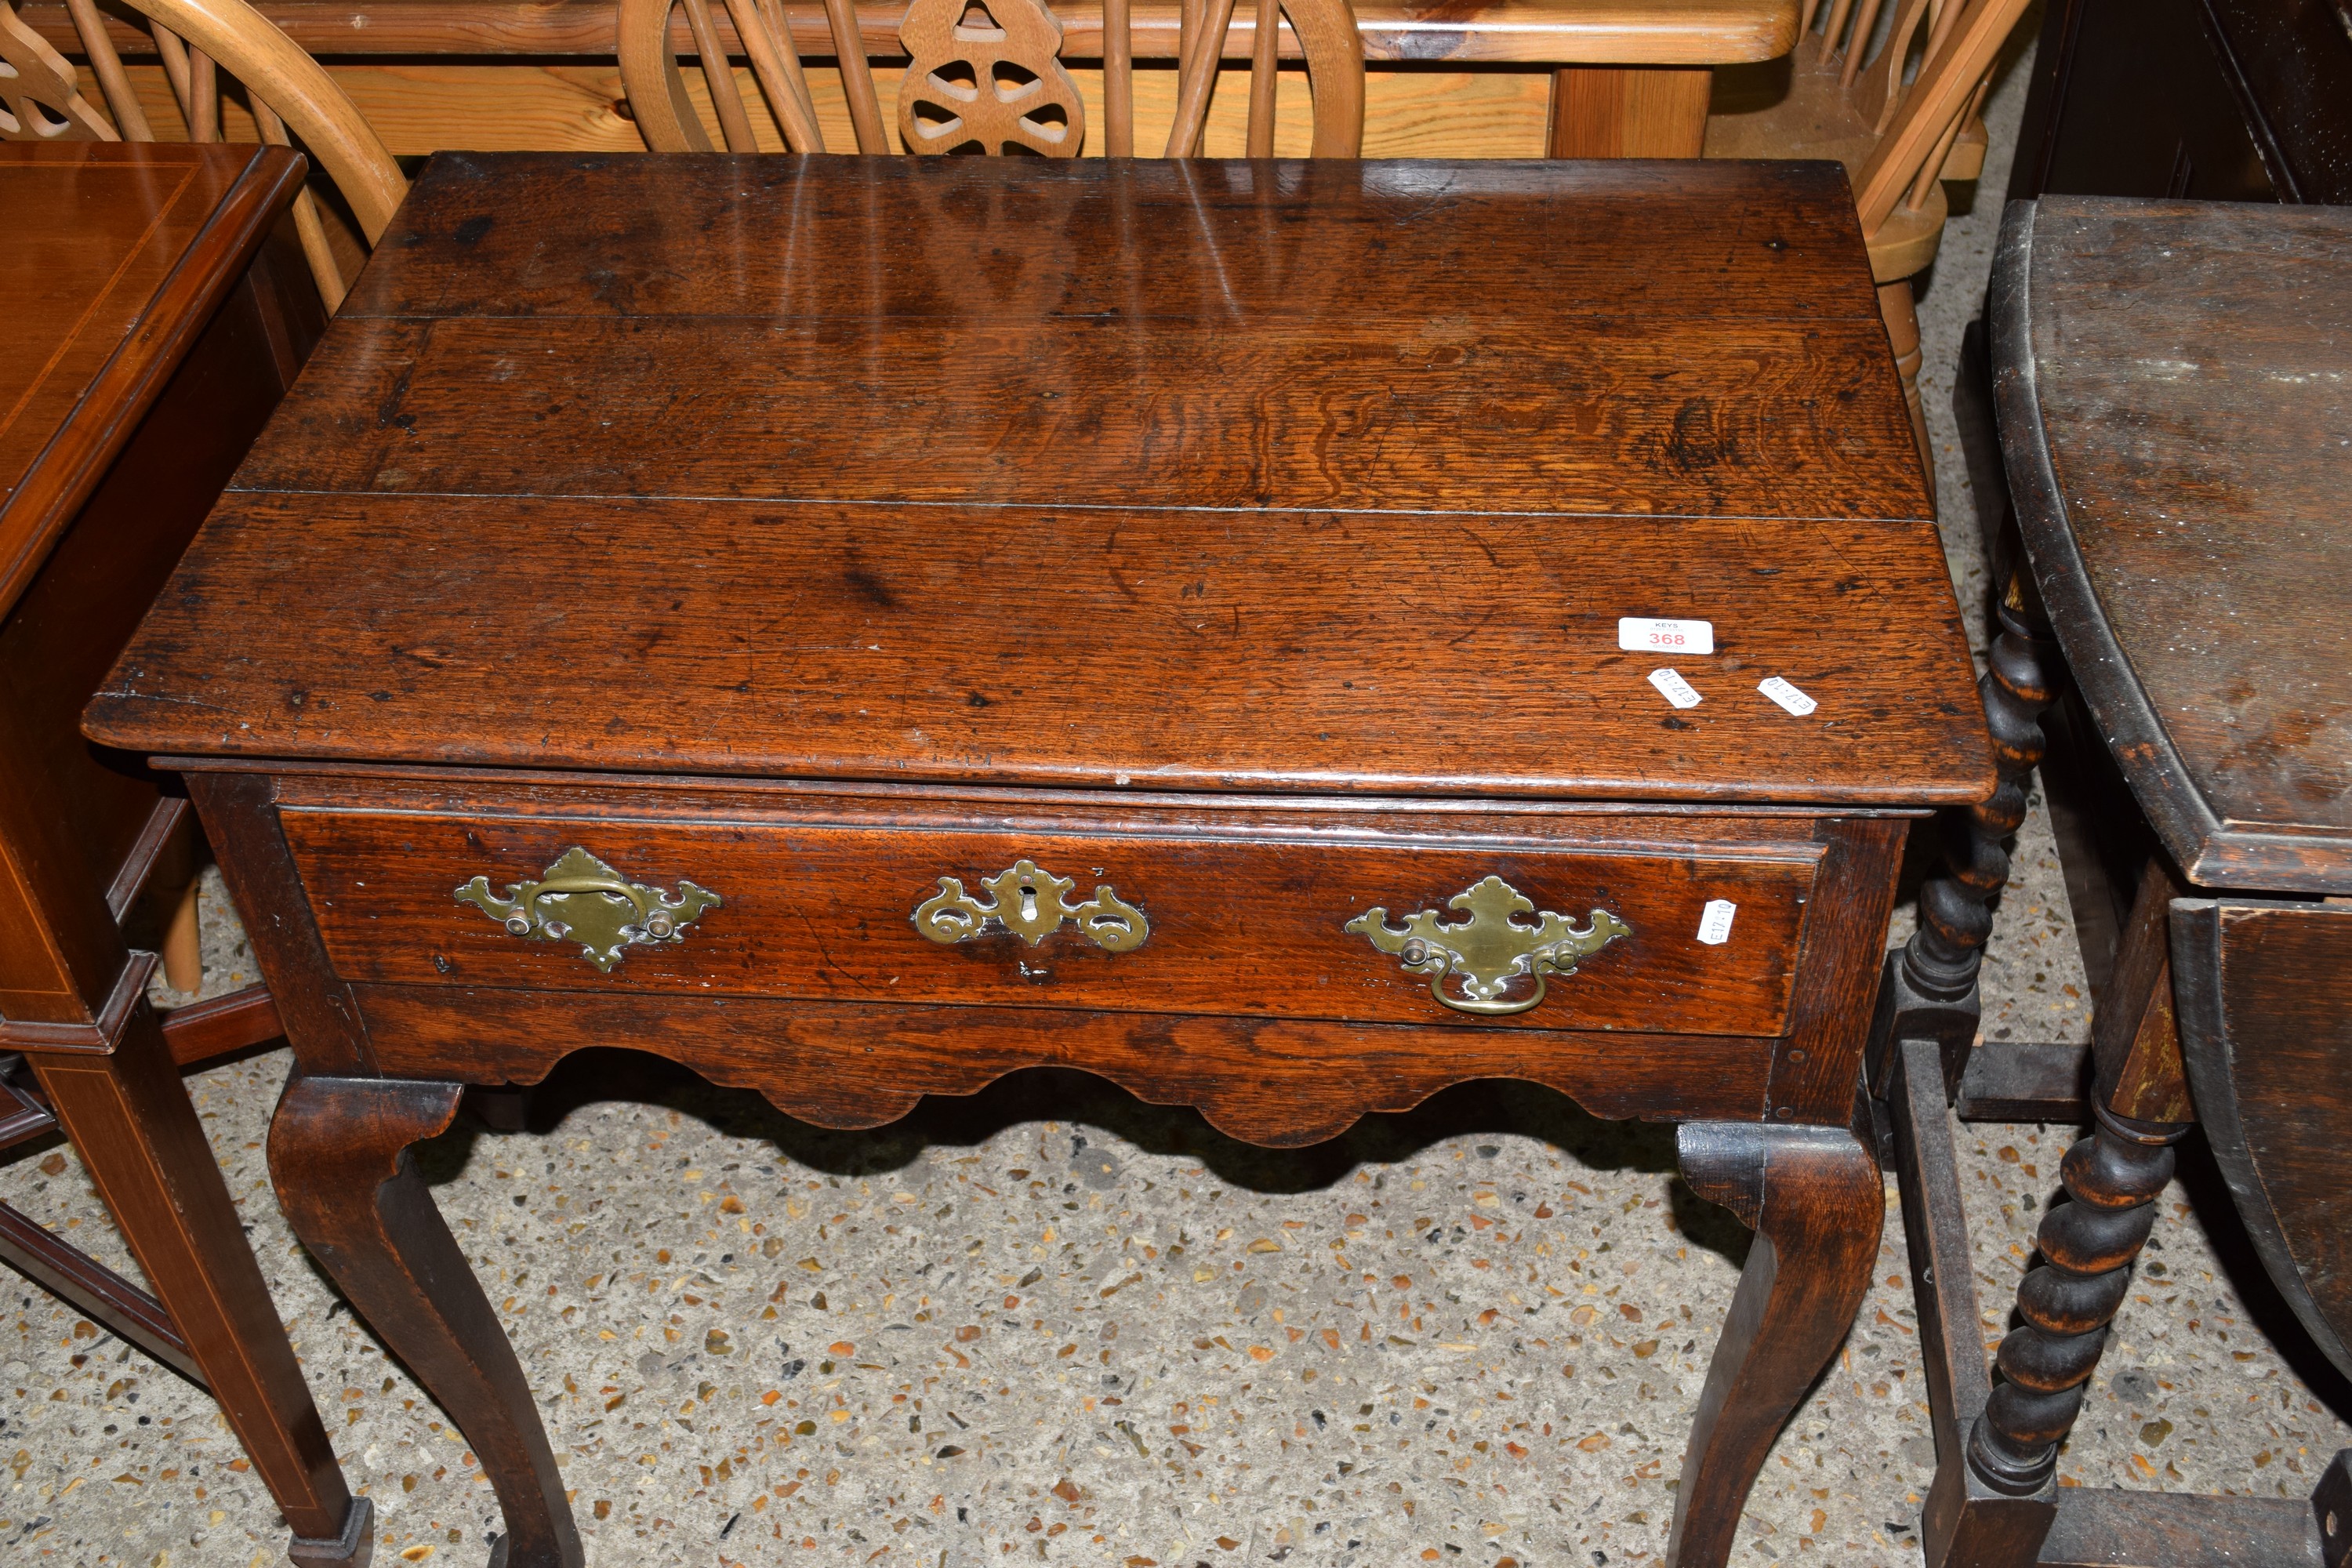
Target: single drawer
x: 1552, y: 925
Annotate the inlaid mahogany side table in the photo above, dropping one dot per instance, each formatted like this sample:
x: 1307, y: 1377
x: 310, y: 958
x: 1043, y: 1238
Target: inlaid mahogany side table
x: 1284, y: 637
x: 152, y: 322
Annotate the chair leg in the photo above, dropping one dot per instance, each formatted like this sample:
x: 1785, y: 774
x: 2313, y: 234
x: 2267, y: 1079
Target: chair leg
x: 182, y: 955
x: 1900, y: 312
x: 338, y: 1154
x: 1814, y: 1197
x: 128, y: 1113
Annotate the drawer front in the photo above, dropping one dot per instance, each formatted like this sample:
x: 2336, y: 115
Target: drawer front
x: 1559, y: 934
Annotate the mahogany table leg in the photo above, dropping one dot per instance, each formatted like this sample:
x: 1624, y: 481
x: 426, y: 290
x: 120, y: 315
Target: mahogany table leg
x: 339, y: 1154
x: 127, y: 1112
x: 1813, y: 1197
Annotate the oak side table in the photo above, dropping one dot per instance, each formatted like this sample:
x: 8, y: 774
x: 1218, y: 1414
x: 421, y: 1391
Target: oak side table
x: 151, y: 325
x: 1287, y: 637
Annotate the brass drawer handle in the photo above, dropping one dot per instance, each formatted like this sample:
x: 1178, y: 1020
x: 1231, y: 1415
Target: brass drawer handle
x: 1491, y: 948
x: 582, y: 898
x: 1032, y: 903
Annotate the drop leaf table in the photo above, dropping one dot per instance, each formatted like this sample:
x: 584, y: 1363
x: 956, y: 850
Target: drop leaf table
x: 1286, y: 637
x: 2172, y: 396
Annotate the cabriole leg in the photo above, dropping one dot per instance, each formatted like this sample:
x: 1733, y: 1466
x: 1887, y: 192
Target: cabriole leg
x: 1813, y: 1197
x: 338, y: 1154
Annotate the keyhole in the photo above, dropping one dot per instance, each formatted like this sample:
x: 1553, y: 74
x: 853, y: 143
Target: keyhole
x: 1028, y: 903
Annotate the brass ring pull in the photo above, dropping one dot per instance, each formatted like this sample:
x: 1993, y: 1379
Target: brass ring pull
x: 1490, y: 949
x: 592, y: 904
x: 1032, y: 903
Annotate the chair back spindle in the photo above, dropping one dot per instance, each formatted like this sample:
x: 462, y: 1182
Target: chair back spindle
x: 114, y: 82
x: 1118, y: 81
x: 984, y: 76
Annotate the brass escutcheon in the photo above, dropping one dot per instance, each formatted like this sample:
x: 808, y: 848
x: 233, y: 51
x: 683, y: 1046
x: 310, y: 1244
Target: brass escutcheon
x: 1490, y: 949
x: 1031, y: 903
x: 583, y: 899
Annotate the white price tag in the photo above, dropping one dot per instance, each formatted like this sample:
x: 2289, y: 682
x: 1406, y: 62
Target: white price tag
x: 1786, y: 695
x: 1675, y: 688
x: 1715, y: 921
x: 1637, y: 634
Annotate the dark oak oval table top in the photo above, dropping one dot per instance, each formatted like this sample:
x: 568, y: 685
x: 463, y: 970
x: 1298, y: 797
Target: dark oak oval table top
x: 1151, y: 475
x: 2176, y: 386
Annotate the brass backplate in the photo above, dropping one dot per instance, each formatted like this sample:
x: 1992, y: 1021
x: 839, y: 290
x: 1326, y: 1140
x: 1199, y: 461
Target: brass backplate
x: 1031, y: 903
x: 580, y: 899
x: 1491, y: 949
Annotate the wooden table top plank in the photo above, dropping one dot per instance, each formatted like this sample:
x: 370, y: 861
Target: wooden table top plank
x: 2185, y: 431
x: 543, y: 325
x: 1759, y: 419
x: 1552, y: 32
x: 100, y: 244
x: 769, y: 235
x: 1243, y: 548
x: 1323, y: 652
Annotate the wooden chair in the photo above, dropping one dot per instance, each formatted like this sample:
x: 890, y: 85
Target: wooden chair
x: 1903, y: 120
x: 290, y: 94
x: 985, y: 77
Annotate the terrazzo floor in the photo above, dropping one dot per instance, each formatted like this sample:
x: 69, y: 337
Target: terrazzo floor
x: 1051, y: 1323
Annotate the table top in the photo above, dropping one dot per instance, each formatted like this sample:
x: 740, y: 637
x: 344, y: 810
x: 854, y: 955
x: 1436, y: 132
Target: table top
x: 1331, y: 477
x: 2175, y: 406
x: 112, y: 259
x: 1613, y: 32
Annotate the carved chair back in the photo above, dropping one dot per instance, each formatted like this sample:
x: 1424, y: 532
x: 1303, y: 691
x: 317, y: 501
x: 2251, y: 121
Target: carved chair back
x: 984, y: 76
x: 290, y: 94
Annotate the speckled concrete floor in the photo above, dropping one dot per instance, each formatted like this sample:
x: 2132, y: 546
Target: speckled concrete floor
x: 1050, y: 1323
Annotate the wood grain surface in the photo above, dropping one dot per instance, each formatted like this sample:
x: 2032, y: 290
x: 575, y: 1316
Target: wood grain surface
x: 2177, y: 385
x: 1273, y: 650
x: 1279, y: 1083
x: 709, y: 440
x: 1249, y: 925
x: 1659, y: 245
x: 1583, y: 418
